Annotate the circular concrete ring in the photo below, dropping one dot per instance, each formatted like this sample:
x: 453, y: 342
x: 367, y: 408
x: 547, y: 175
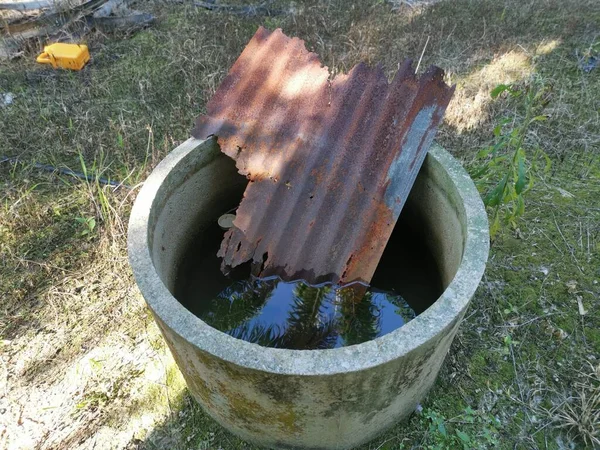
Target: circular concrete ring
x: 315, y: 399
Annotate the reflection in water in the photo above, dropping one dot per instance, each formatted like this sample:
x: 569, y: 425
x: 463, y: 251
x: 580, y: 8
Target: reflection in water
x: 295, y: 315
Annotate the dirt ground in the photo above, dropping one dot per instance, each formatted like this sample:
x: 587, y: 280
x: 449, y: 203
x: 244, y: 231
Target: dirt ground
x: 84, y: 366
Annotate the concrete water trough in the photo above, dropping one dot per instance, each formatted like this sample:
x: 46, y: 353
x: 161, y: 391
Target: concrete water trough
x: 304, y: 399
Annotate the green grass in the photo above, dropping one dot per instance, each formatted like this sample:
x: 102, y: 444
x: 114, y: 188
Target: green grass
x: 524, y: 368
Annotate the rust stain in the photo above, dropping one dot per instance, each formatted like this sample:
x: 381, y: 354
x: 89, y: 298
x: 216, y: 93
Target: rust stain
x: 330, y: 162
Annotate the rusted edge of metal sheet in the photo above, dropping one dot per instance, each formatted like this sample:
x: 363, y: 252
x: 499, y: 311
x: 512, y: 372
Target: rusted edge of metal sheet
x: 330, y: 162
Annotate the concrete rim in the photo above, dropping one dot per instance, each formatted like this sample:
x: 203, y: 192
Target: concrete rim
x: 447, y: 308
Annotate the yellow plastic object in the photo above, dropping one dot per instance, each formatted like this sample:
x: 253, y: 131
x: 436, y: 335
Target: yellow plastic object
x: 65, y: 56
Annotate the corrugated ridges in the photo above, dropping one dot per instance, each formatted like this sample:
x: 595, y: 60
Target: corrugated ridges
x: 330, y: 163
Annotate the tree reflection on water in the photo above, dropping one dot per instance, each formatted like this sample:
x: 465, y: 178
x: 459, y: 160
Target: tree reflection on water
x: 274, y: 313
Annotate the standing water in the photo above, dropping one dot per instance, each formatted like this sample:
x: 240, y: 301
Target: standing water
x: 274, y: 313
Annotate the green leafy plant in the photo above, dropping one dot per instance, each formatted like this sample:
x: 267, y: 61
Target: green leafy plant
x: 89, y: 224
x: 508, y: 344
x: 504, y: 171
x: 512, y: 309
x: 437, y: 424
x: 469, y: 430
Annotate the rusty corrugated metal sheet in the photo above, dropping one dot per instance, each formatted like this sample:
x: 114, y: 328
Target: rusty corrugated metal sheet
x: 330, y: 162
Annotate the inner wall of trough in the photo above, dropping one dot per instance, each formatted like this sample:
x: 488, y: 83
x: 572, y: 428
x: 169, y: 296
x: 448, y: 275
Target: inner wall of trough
x: 215, y: 188
x: 441, y: 216
x: 204, y: 185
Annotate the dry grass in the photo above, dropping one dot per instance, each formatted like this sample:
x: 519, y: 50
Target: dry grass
x: 580, y: 412
x: 83, y: 365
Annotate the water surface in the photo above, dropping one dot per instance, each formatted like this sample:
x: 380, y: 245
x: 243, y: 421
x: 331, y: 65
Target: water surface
x: 295, y: 315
